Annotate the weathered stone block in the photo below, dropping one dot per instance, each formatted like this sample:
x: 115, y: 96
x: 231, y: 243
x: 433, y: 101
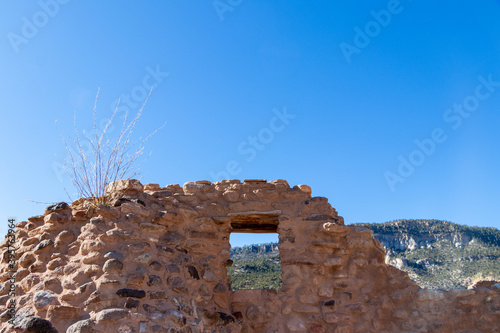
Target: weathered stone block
x: 59, y: 312
x: 83, y: 326
x: 113, y: 266
x: 43, y: 245
x: 144, y: 258
x: 43, y: 299
x: 111, y: 315
x: 134, y: 208
x: 124, y: 185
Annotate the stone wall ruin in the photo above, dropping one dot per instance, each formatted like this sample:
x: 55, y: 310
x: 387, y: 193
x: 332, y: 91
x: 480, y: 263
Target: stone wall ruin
x: 156, y: 259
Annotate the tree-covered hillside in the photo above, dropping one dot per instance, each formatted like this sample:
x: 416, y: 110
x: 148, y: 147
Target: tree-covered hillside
x: 255, y: 267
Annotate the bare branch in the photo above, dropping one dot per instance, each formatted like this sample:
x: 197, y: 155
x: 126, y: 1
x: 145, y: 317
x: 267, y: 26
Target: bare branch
x: 106, y: 160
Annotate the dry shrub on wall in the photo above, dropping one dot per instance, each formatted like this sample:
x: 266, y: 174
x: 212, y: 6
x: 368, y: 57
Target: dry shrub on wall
x: 100, y: 160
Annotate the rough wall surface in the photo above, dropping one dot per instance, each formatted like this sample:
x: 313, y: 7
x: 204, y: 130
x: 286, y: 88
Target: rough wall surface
x: 155, y: 261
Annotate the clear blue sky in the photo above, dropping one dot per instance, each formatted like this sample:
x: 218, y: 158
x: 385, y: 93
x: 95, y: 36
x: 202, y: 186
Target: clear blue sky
x: 355, y: 84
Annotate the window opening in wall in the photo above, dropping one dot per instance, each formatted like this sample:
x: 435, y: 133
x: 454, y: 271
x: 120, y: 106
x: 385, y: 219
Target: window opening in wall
x: 256, y: 261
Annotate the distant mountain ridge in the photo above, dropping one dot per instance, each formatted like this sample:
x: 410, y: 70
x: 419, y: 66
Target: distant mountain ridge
x: 436, y: 254
x: 253, y: 251
x: 412, y: 234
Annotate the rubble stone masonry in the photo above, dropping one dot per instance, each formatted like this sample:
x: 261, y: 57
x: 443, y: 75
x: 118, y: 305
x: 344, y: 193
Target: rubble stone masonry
x: 156, y: 260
